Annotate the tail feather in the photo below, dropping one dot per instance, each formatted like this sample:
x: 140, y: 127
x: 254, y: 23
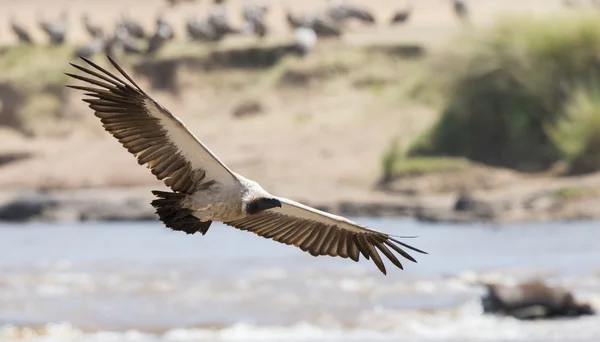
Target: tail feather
x: 174, y: 216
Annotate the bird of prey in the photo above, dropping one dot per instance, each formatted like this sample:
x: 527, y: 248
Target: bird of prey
x: 94, y: 31
x: 460, y: 9
x: 403, y: 15
x: 204, y: 189
x: 56, y: 30
x: 20, y: 31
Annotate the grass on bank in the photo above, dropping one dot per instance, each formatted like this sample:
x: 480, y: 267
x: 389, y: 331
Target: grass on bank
x: 520, y: 94
x: 395, y: 163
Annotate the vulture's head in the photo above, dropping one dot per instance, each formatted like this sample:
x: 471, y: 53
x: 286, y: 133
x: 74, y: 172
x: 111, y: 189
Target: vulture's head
x: 260, y: 204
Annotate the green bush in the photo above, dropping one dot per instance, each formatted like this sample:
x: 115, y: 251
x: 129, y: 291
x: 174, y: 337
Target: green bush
x: 577, y: 133
x: 507, y: 86
x: 394, y: 163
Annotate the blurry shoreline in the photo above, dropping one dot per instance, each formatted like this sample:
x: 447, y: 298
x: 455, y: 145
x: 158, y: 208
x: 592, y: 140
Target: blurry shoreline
x: 528, y: 199
x: 355, y: 127
x: 64, y: 167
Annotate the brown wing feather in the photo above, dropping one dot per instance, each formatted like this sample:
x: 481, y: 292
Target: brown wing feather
x: 319, y: 238
x: 121, y: 108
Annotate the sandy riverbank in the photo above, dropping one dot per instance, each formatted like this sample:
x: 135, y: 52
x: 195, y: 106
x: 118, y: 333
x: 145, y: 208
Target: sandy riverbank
x: 318, y: 135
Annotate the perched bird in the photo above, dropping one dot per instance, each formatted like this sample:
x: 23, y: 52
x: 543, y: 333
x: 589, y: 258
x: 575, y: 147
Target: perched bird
x: 460, y: 9
x: 571, y: 3
x: 402, y: 16
x: 57, y: 30
x: 164, y: 32
x: 200, y: 30
x: 94, y: 31
x: 305, y: 40
x: 340, y: 12
x: 322, y: 24
x: 177, y: 2
x: 88, y: 50
x: 254, y: 18
x: 220, y: 23
x: 21, y: 33
x: 122, y: 39
x: 204, y: 189
x: 135, y: 29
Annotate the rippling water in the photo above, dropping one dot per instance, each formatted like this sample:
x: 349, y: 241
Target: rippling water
x: 141, y: 282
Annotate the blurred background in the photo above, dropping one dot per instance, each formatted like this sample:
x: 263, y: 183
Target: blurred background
x: 474, y: 126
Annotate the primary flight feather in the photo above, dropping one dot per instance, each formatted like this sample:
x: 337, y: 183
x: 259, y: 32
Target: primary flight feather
x: 206, y: 190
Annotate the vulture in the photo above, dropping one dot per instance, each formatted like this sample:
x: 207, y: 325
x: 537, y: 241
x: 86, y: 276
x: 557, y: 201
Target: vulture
x: 203, y: 189
x: 164, y: 32
x: 254, y: 18
x: 305, y: 39
x: 90, y: 49
x: 173, y: 3
x: 94, y: 31
x: 21, y: 33
x: 200, y: 30
x: 56, y: 30
x: 322, y: 24
x: 402, y: 16
x: 340, y: 12
x: 122, y: 39
x: 220, y: 23
x: 134, y: 28
x: 460, y: 9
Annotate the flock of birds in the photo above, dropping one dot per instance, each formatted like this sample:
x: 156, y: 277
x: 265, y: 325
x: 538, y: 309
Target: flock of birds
x: 130, y: 37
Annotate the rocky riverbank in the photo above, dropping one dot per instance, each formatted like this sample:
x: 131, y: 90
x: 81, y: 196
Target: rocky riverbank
x: 526, y: 199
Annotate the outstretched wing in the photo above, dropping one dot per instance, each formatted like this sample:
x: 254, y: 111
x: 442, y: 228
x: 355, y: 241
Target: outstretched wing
x: 321, y: 233
x: 149, y: 131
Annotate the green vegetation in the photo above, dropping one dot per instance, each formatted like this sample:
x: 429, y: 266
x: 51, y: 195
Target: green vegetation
x: 394, y: 163
x: 574, y: 193
x: 520, y: 94
x: 577, y: 133
x: 32, y: 85
x: 390, y: 159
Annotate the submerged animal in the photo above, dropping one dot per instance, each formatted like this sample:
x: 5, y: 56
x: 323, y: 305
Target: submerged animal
x: 204, y: 189
x: 532, y: 300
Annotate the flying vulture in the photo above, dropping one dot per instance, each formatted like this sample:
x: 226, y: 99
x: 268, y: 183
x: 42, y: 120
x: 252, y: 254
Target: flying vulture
x: 204, y: 189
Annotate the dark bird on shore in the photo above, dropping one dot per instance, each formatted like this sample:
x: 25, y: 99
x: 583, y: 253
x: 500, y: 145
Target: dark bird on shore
x: 21, y: 33
x: 56, y: 30
x: 162, y: 34
x: 93, y: 30
x: 321, y: 23
x: 305, y: 40
x: 135, y: 29
x: 124, y: 41
x: 325, y: 26
x: 295, y: 21
x: 220, y: 23
x: 571, y: 3
x: 341, y: 12
x: 254, y: 18
x: 460, y: 9
x: 173, y: 3
x: 200, y: 30
x: 204, y: 189
x: 88, y: 50
x: 403, y: 15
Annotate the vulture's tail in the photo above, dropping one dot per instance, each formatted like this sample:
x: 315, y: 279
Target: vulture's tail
x: 174, y: 216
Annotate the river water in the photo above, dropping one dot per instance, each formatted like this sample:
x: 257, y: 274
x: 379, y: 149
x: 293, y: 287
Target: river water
x: 142, y: 282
